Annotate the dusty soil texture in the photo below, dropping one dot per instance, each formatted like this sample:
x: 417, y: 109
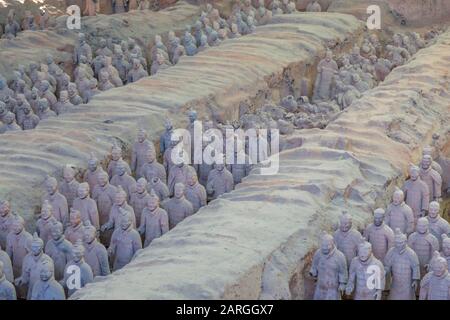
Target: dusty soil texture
x: 60, y: 42
x: 256, y: 241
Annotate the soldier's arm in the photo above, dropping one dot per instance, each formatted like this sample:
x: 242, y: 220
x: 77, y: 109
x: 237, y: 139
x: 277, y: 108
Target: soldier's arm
x: 203, y: 197
x: 425, y: 197
x: 64, y: 213
x: 409, y: 221
x: 351, y: 279
x: 314, y: 265
x: 133, y: 160
x: 93, y: 214
x: 164, y: 222
x: 343, y: 271
x: 424, y: 286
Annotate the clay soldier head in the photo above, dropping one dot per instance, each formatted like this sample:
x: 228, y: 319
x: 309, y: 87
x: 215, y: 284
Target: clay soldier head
x: 68, y: 174
x: 141, y: 185
x: 10, y: 118
x: 56, y: 230
x: 125, y: 219
x: 43, y: 105
x: 439, y: 265
x: 150, y: 155
x: 78, y: 251
x: 102, y: 178
x: 120, y: 197
x: 192, y: 115
x: 445, y: 245
x: 18, y: 225
x: 422, y: 225
x: 192, y: 178
x: 46, y: 211
x: 5, y: 208
x: 92, y: 163
x: 116, y: 153
x: 83, y: 190
x: 37, y: 245
x: 398, y: 197
x: 121, y: 168
x: 89, y: 232
x: 141, y: 135
x: 51, y: 185
x: 414, y: 172
x: 327, y: 244
x: 364, y: 251
x: 378, y: 217
x: 400, y: 241
x: 426, y: 162
x: 434, y: 209
x: 75, y: 218
x: 153, y: 201
x: 345, y: 222
x: 179, y: 190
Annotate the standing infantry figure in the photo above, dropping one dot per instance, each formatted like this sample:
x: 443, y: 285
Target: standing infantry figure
x: 399, y: 214
x: 57, y: 201
x: 178, y: 208
x: 154, y: 220
x: 59, y: 249
x: 416, y: 193
x: 380, y: 235
x: 446, y: 248
x: 86, y: 205
x: 95, y: 255
x: 152, y: 168
x: 431, y: 178
x: 6, y: 221
x: 32, y: 265
x: 77, y: 266
x: 69, y: 186
x: 45, y: 222
x: 139, y: 199
x: 91, y: 175
x: 438, y: 225
x: 195, y: 193
x: 47, y: 288
x: 347, y: 238
x: 436, y: 283
x: 366, y: 275
x: 220, y: 181
x: 402, y: 264
x: 7, y: 265
x: 326, y: 71
x: 178, y: 173
x: 123, y: 179
x: 104, y: 194
x: 7, y: 290
x: 139, y: 152
x: 125, y: 241
x: 116, y: 157
x: 423, y: 243
x: 17, y: 244
x: 120, y: 203
x: 74, y: 231
x: 329, y: 268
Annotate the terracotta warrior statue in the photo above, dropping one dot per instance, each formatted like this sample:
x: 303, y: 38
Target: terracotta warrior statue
x: 220, y: 181
x: 17, y: 244
x: 329, y: 269
x: 32, y: 265
x: 195, y: 193
x: 116, y: 157
x: 74, y: 96
x: 178, y: 208
x: 139, y: 152
x: 139, y: 199
x: 59, y: 249
x: 125, y: 241
x: 69, y: 186
x: 46, y: 287
x: 91, y: 174
x: 77, y: 263
x: 380, y: 235
x: 63, y: 105
x: 7, y: 289
x: 30, y: 120
x: 7, y: 265
x: 159, y: 187
x: 152, y: 168
x: 86, y: 205
x: 347, y: 238
x: 326, y: 71
x: 103, y: 49
x: 120, y: 203
x: 123, y: 179
x: 399, y: 214
x: 154, y: 220
x: 431, y: 178
x: 9, y: 123
x: 159, y: 63
x: 74, y: 231
x: 435, y: 285
x: 416, y: 193
x: 104, y: 194
x: 45, y: 222
x: 437, y: 225
x: 137, y: 72
x: 423, y: 243
x: 362, y: 269
x: 82, y: 49
x: 402, y: 263
x: 178, y: 173
x: 95, y: 255
x: 44, y: 111
x: 57, y: 201
x: 6, y: 221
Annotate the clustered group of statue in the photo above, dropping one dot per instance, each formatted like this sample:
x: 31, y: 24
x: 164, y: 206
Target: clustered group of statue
x: 29, y: 22
x: 405, y: 250
x: 99, y: 222
x: 362, y: 69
